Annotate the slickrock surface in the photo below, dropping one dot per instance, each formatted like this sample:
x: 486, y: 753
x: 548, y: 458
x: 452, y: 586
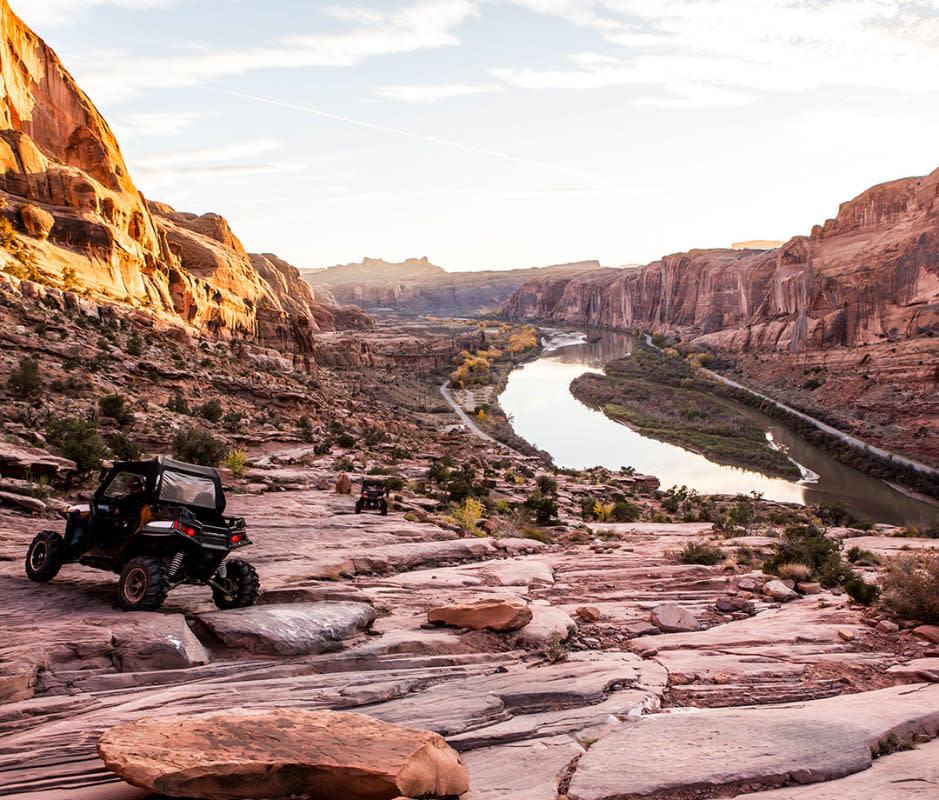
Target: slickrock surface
x: 74, y: 666
x: 244, y: 754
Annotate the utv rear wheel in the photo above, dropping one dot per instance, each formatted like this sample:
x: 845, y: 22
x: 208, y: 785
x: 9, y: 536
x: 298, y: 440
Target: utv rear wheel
x: 358, y: 506
x: 45, y: 556
x: 240, y: 586
x: 144, y: 584
x: 383, y: 507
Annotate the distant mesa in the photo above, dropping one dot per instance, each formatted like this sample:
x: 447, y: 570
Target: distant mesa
x: 419, y: 287
x: 757, y: 244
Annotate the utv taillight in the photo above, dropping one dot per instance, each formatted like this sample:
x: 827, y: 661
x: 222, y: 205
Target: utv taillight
x: 237, y: 538
x: 186, y: 530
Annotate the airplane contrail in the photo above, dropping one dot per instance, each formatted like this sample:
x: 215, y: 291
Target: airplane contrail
x: 411, y: 135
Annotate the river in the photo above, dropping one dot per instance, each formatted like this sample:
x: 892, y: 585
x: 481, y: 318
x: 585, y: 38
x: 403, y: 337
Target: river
x: 537, y: 399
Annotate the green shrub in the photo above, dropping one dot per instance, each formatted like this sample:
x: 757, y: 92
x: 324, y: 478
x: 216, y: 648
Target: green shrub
x: 178, y: 403
x: 236, y: 461
x: 394, y: 483
x: 856, y: 554
x: 24, y: 382
x: 134, y: 345
x: 124, y: 449
x: 547, y: 485
x: 77, y: 439
x: 438, y: 472
x: 909, y: 587
x: 807, y: 544
x: 624, y: 511
x: 861, y: 591
x: 212, y: 410
x: 544, y: 508
x: 197, y: 446
x: 346, y: 440
x: 115, y: 407
x: 322, y: 448
x: 700, y: 553
x: 231, y: 422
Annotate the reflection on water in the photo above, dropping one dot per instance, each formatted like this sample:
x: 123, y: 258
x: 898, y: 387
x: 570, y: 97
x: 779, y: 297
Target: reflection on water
x: 544, y: 412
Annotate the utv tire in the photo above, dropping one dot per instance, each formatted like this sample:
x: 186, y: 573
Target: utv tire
x: 144, y: 584
x: 45, y: 556
x: 241, y: 585
x: 358, y: 506
x: 383, y: 507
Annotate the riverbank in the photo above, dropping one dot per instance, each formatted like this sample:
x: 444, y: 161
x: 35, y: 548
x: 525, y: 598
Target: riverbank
x: 663, y: 397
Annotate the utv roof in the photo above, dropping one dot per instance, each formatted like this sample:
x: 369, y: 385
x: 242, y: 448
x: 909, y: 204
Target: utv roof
x: 165, y: 462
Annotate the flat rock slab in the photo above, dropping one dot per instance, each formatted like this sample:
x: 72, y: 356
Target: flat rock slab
x: 907, y: 775
x: 297, y: 629
x: 261, y: 754
x: 671, y: 618
x: 496, y: 614
x: 769, y: 745
x: 144, y: 642
x: 523, y: 771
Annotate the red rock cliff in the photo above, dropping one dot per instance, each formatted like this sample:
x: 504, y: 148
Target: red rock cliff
x: 870, y: 274
x: 81, y: 223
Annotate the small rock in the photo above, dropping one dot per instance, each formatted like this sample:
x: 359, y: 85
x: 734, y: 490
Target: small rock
x: 495, y: 614
x: 846, y: 635
x: 671, y: 618
x: 887, y: 626
x: 751, y: 583
x: 809, y: 587
x: 548, y: 626
x: 928, y: 632
x: 779, y: 591
x: 588, y: 613
x: 734, y: 604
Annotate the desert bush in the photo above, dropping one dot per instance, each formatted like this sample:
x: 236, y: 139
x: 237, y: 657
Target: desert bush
x: 700, y: 553
x: 544, y: 507
x: 24, y: 382
x: 547, y: 485
x: 305, y: 428
x: 468, y: 514
x: 124, y: 449
x: 394, y: 483
x: 134, y: 344
x: 909, y: 587
x: 322, y: 448
x: 857, y: 555
x: 77, y: 439
x: 624, y: 511
x: 212, y: 410
x: 115, y: 406
x: 346, y: 440
x: 861, y: 591
x: 178, y: 403
x: 794, y: 571
x: 197, y: 446
x: 236, y: 461
x: 603, y: 511
x: 808, y: 545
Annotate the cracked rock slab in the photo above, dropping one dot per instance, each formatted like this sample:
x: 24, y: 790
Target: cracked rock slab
x: 523, y: 771
x: 771, y: 745
x: 297, y: 629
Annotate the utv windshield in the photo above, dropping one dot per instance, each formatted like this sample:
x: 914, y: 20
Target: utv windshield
x: 188, y: 490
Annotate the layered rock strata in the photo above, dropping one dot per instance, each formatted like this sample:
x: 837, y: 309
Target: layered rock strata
x: 76, y: 220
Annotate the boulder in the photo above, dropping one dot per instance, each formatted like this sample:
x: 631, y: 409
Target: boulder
x: 671, y: 618
x: 297, y: 629
x: 32, y: 504
x: 19, y: 462
x: 780, y: 592
x: 928, y: 632
x: 145, y: 642
x: 730, y: 604
x: 496, y: 614
x: 809, y: 587
x: 588, y: 613
x: 549, y: 626
x: 343, y: 484
x: 37, y: 221
x: 279, y: 753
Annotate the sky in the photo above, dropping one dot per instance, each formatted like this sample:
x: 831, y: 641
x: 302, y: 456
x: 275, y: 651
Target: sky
x: 489, y: 134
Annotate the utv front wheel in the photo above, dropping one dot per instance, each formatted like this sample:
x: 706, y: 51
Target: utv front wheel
x: 144, y: 584
x: 45, y: 556
x: 240, y: 586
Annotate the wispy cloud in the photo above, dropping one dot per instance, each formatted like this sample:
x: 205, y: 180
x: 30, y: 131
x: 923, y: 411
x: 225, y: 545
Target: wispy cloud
x: 727, y: 52
x: 432, y: 94
x: 155, y: 124
x: 428, y: 24
x: 63, y: 12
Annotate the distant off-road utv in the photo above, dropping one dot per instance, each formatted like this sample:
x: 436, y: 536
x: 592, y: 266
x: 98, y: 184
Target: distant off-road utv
x: 157, y: 524
x: 372, y: 495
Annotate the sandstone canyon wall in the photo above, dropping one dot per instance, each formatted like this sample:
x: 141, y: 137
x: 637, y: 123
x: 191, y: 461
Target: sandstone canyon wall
x: 418, y: 287
x: 79, y: 222
x: 869, y: 275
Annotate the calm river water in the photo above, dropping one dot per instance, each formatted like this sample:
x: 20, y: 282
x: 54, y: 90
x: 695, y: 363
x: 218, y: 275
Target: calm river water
x: 543, y: 411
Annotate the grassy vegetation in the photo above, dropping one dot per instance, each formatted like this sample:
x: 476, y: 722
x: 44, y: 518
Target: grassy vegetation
x: 662, y: 396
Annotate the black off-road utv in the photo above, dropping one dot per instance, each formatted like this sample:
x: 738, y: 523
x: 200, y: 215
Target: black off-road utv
x: 157, y: 524
x: 372, y: 495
